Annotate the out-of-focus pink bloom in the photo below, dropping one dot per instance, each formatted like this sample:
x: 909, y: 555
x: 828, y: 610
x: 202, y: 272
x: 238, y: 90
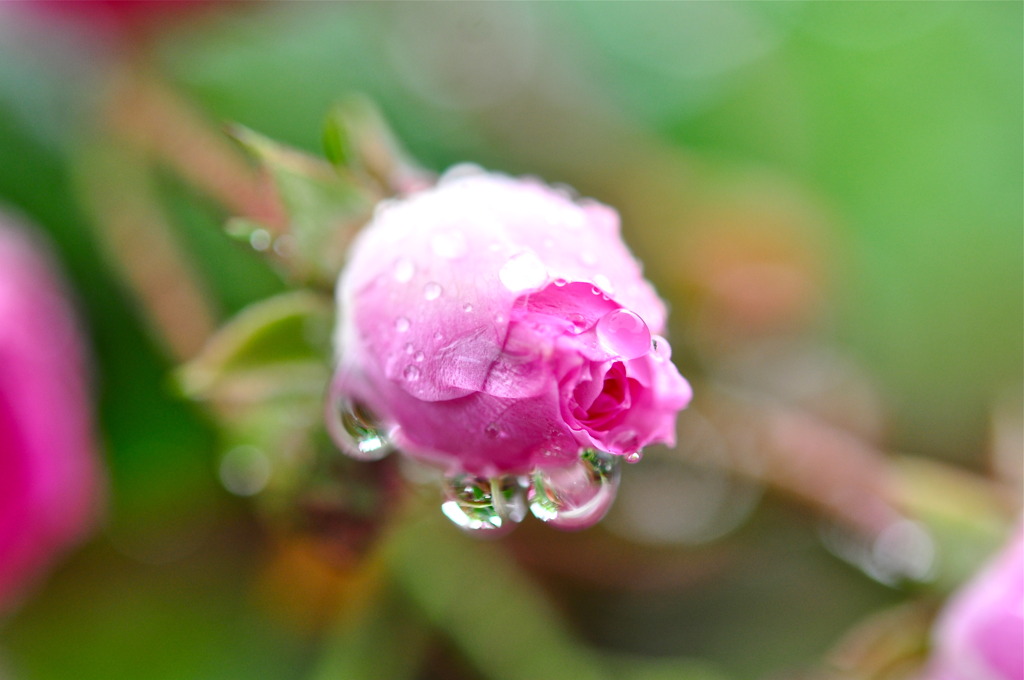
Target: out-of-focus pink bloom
x: 980, y: 633
x: 48, y: 468
x: 496, y: 326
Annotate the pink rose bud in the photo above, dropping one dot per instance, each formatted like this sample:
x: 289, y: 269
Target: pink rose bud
x: 503, y: 331
x: 48, y: 471
x: 980, y: 633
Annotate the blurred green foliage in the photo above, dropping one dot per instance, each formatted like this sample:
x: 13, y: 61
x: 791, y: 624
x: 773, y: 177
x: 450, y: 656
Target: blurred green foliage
x: 903, y: 119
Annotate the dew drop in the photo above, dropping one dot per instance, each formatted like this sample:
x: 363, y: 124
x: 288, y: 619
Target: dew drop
x: 634, y: 457
x: 624, y: 441
x: 284, y: 245
x: 560, y: 283
x: 624, y: 333
x: 260, y: 239
x: 576, y: 496
x: 438, y: 336
x: 604, y: 283
x: 419, y: 356
x: 450, y: 245
x: 467, y: 307
x: 432, y: 291
x: 492, y: 431
x: 411, y: 373
x: 402, y: 324
x: 485, y: 507
x: 523, y: 272
x: 579, y: 322
x: 404, y: 270
x: 245, y: 470
x: 357, y: 432
x: 660, y: 347
x: 409, y: 348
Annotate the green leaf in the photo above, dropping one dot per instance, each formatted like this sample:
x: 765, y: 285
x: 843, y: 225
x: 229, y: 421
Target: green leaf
x: 336, y: 140
x: 285, y: 339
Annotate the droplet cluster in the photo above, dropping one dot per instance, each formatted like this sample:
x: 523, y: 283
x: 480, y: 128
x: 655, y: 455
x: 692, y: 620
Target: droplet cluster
x: 569, y: 497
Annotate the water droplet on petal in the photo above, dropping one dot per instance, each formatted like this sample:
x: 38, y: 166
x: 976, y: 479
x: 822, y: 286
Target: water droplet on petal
x: 624, y: 333
x: 357, y: 432
x: 432, y: 291
x: 576, y: 496
x: 661, y: 349
x: 460, y: 171
x: 419, y: 356
x: 409, y: 348
x: 467, y: 307
x: 625, y: 441
x: 560, y: 283
x: 402, y: 324
x: 450, y: 245
x: 634, y: 457
x: 411, y: 373
x: 523, y: 272
x: 604, y: 283
x: 404, y: 270
x: 484, y: 507
x: 588, y: 258
x: 492, y: 431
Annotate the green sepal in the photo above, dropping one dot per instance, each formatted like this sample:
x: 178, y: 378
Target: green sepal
x: 323, y: 204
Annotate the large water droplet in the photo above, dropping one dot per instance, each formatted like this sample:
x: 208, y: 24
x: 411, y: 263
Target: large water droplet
x: 486, y: 507
x: 624, y: 333
x: 523, y: 272
x: 402, y: 324
x: 432, y: 291
x: 411, y: 373
x: 358, y: 433
x: 576, y: 496
x: 450, y: 245
x: 404, y: 270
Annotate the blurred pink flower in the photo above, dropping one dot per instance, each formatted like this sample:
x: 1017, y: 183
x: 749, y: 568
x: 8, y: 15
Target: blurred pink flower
x: 980, y: 633
x: 496, y: 326
x: 48, y: 468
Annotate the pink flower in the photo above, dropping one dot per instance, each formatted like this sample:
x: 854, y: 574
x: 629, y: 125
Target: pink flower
x: 980, y: 633
x: 496, y: 327
x: 48, y: 472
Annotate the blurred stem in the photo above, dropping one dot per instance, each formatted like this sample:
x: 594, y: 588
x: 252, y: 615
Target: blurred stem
x: 120, y: 193
x: 149, y: 116
x: 384, y: 641
x: 488, y: 608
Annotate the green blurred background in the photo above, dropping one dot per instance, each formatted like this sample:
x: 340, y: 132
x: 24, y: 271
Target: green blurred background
x: 896, y: 126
